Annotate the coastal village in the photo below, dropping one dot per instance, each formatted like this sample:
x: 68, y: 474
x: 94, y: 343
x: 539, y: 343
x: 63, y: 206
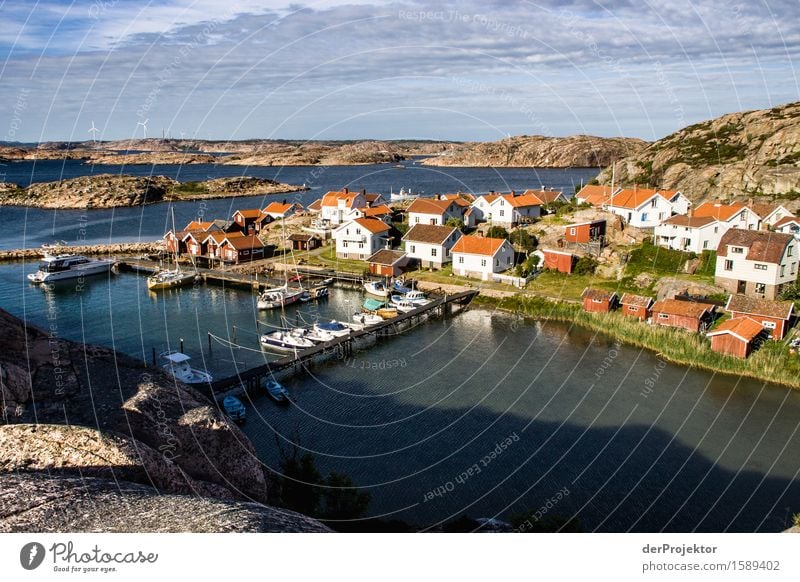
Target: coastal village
x: 724, y: 271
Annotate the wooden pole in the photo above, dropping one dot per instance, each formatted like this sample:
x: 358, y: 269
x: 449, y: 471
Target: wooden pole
x: 182, y: 345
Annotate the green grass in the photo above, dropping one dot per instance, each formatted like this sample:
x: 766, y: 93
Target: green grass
x: 771, y: 362
x: 189, y: 189
x: 327, y: 258
x: 649, y: 258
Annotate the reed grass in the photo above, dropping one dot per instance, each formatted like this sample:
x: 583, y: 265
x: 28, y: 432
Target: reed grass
x: 771, y: 362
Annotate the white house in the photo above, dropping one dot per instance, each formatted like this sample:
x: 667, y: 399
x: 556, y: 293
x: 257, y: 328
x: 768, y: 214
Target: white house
x: 430, y: 244
x: 640, y: 207
x: 756, y: 263
x: 680, y: 203
x: 769, y: 213
x: 597, y: 196
x: 381, y: 212
x: 360, y: 238
x: 475, y: 256
x: 736, y: 215
x: 428, y: 211
x: 480, y: 206
x: 510, y: 210
x: 336, y: 206
x: 546, y: 197
x: 788, y: 225
x: 276, y: 210
x: 690, y: 233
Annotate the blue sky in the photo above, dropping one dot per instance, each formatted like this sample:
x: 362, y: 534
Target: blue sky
x: 467, y: 70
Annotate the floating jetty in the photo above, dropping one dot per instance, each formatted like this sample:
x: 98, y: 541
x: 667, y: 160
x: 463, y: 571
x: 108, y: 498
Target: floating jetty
x: 250, y: 380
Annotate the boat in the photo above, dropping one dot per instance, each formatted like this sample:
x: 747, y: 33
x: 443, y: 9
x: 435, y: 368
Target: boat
x: 285, y: 341
x: 387, y: 312
x: 169, y: 279
x: 403, y: 195
x: 276, y: 391
x: 399, y: 287
x: 334, y: 327
x: 61, y: 267
x: 328, y: 281
x: 318, y: 335
x: 403, y: 305
x: 376, y: 288
x: 371, y: 304
x: 177, y: 366
x: 305, y: 297
x: 417, y: 297
x: 278, y: 297
x: 320, y: 292
x: 367, y: 319
x: 234, y: 408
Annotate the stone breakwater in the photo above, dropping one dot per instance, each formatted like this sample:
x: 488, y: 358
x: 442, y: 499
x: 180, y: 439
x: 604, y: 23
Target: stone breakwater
x: 140, y: 248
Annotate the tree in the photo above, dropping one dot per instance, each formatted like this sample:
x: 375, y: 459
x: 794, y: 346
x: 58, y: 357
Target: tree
x: 455, y: 222
x: 496, y: 232
x: 585, y: 266
x: 525, y: 240
x: 299, y: 486
x: 342, y: 500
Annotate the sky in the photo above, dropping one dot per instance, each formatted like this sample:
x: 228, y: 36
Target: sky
x: 467, y: 70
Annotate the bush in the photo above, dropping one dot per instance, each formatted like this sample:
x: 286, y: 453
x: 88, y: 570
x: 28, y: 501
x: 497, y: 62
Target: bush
x: 497, y: 232
x: 585, y: 266
x: 525, y: 240
x: 455, y: 222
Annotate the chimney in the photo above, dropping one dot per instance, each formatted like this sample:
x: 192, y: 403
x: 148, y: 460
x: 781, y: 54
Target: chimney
x: 513, y: 193
x: 364, y: 191
x: 345, y: 190
x: 750, y: 202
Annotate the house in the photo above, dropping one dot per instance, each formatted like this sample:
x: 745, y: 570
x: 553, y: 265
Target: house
x: 478, y: 256
x: 598, y: 300
x: 281, y: 210
x: 381, y: 212
x: 509, y: 210
x: 597, y: 196
x: 736, y: 215
x: 480, y: 206
x: 560, y: 261
x: 690, y: 233
x: 373, y: 198
x: 360, y: 238
x: 387, y: 263
x: 774, y: 316
x: 756, y: 263
x: 335, y: 206
x: 428, y: 211
x: 637, y: 306
x: 736, y: 337
x: 304, y: 242
x: 247, y: 219
x: 241, y: 249
x: 546, y: 197
x: 640, y: 207
x: 315, y: 207
x: 584, y: 232
x: 211, y: 244
x: 174, y: 241
x: 430, y: 244
x: 690, y: 315
x: 769, y: 213
x: 788, y: 225
x: 680, y: 203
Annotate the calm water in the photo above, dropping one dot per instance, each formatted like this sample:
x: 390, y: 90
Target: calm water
x: 638, y: 444
x: 29, y: 227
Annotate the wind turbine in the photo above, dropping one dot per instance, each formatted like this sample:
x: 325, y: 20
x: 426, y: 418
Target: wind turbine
x: 144, y: 127
x: 93, y: 130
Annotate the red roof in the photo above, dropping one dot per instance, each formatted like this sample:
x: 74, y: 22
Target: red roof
x: 373, y: 225
x: 682, y: 308
x: 428, y: 206
x: 719, y: 211
x: 478, y: 245
x: 744, y: 328
x: 241, y: 243
x: 277, y: 208
x: 249, y: 212
x: 522, y: 201
x: 596, y: 195
x: 544, y: 196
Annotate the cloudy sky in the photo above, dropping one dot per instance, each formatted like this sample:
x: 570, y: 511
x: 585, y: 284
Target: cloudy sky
x: 467, y: 70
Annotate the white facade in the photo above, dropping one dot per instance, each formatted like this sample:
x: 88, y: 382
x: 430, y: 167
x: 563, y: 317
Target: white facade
x: 752, y: 277
x: 647, y: 214
x: 694, y: 239
x: 432, y: 255
x: 336, y: 211
x: 776, y: 215
x: 483, y: 266
x: 680, y: 204
x: 354, y: 241
x: 503, y: 213
x: 481, y: 207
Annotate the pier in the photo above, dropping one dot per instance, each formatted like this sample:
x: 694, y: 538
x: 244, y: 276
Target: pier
x: 250, y: 380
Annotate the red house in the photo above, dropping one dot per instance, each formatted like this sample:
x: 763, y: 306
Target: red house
x: 560, y: 261
x: 387, y: 263
x: 584, y: 232
x: 774, y: 316
x: 241, y: 249
x: 598, y: 300
x: 736, y: 337
x: 636, y: 306
x: 246, y: 219
x: 690, y: 315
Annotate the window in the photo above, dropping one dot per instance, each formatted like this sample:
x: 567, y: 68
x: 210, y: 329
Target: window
x: 737, y: 250
x: 769, y: 324
x: 793, y: 268
x: 716, y: 229
x: 653, y: 203
x: 789, y: 251
x: 644, y: 217
x: 347, y: 231
x: 361, y: 245
x: 761, y: 288
x: 760, y: 267
x: 705, y: 244
x: 413, y: 248
x: 502, y: 213
x: 497, y: 262
x: 742, y: 217
x: 597, y: 300
x: 358, y: 231
x: 483, y: 262
x: 508, y: 260
x: 783, y: 270
x: 433, y: 252
x: 729, y: 265
x: 663, y: 315
x: 461, y: 259
x: 344, y: 244
x: 572, y: 231
x: 416, y: 219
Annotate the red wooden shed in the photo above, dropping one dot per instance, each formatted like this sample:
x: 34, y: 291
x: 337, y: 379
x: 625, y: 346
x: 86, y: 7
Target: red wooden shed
x: 736, y: 337
x: 598, y: 300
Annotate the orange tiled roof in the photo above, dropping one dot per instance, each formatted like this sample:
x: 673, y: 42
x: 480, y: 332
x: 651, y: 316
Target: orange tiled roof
x: 241, y: 243
x: 718, y: 211
x: 522, y: 201
x: 333, y: 198
x: 744, y: 328
x: 372, y: 224
x: 632, y: 198
x: 428, y: 206
x: 220, y: 235
x: 682, y: 308
x: 198, y: 225
x: 249, y: 212
x: 478, y: 245
x: 278, y: 208
x: 690, y: 221
x: 316, y: 205
x: 596, y: 195
x: 544, y: 196
x: 376, y: 210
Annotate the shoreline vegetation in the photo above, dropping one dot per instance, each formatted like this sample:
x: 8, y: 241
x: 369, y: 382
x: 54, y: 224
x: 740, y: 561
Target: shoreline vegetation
x: 770, y: 362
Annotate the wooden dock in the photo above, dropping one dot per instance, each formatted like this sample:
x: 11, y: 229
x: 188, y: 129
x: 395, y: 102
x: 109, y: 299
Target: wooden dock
x: 250, y: 380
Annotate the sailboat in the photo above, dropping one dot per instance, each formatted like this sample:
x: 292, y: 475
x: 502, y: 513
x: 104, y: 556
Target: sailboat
x: 279, y: 297
x: 168, y: 279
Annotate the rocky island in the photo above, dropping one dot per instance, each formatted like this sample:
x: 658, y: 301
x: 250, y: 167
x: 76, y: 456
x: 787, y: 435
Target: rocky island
x: 140, y: 452
x: 112, y: 190
x: 744, y: 154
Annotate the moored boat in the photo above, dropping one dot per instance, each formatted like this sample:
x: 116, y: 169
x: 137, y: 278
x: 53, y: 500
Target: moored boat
x: 278, y: 297
x: 234, y: 408
x: 403, y: 305
x: 366, y: 319
x: 387, y: 312
x: 417, y: 297
x: 61, y: 267
x: 177, y: 366
x: 285, y: 341
x: 169, y: 279
x: 376, y: 288
x: 336, y: 328
x: 276, y: 391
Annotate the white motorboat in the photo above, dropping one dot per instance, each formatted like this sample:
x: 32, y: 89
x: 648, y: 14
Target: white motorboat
x: 417, y: 297
x: 285, y: 341
x: 319, y: 335
x: 279, y: 297
x: 402, y: 304
x: 61, y: 267
x: 336, y: 328
x: 169, y: 279
x: 403, y: 195
x: 376, y: 288
x: 177, y: 365
x: 234, y: 408
x: 367, y: 319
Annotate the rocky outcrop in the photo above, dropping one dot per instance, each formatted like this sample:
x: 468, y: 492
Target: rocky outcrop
x: 40, y: 502
x: 739, y: 155
x: 150, y: 158
x: 110, y: 250
x: 246, y: 186
x: 314, y: 153
x: 541, y: 152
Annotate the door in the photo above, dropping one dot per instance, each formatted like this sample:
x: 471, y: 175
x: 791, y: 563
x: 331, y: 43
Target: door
x: 741, y: 287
